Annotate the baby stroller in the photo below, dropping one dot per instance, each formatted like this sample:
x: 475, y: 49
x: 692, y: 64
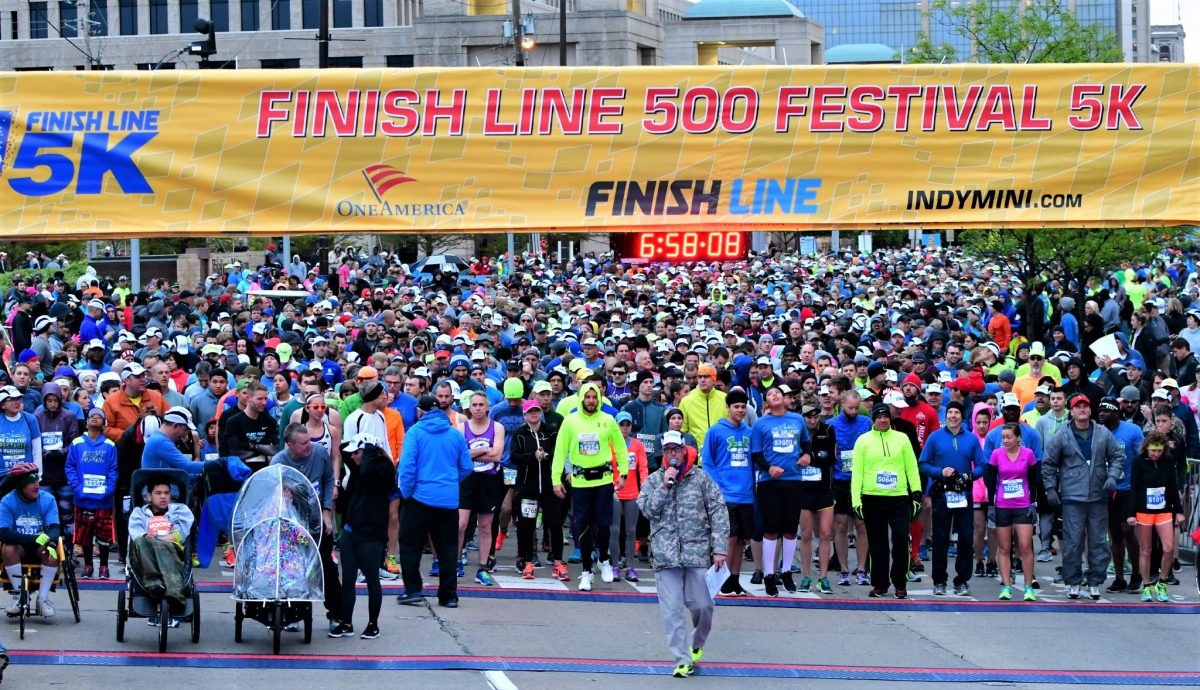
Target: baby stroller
x: 134, y: 601
x: 276, y: 532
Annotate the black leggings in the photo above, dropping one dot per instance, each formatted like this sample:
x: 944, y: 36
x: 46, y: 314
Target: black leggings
x: 365, y: 556
x: 552, y: 520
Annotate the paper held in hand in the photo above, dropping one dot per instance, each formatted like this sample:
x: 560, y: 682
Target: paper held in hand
x: 714, y: 578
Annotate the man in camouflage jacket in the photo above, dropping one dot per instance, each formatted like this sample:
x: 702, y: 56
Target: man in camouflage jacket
x: 689, y: 527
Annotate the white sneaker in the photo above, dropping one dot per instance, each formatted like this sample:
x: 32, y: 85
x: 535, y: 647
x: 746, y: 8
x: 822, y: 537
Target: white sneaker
x: 1073, y: 591
x: 585, y: 582
x: 1094, y: 592
x: 606, y: 572
x: 14, y: 607
x: 45, y: 608
x: 385, y: 575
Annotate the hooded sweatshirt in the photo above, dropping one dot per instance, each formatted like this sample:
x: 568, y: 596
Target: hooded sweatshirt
x: 434, y: 461
x: 589, y: 441
x: 59, y: 429
x: 726, y: 458
x: 91, y: 471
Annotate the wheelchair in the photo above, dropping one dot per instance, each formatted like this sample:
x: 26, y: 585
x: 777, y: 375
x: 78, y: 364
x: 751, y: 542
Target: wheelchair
x: 134, y: 601
x: 31, y: 580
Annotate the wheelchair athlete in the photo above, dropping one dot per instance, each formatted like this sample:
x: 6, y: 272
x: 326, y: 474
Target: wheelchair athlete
x: 29, y: 530
x: 157, y: 532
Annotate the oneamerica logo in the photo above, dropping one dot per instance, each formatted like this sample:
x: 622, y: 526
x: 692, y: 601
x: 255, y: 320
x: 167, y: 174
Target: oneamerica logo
x: 381, y: 178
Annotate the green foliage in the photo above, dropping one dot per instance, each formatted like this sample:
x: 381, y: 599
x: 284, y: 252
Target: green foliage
x: 1003, y: 31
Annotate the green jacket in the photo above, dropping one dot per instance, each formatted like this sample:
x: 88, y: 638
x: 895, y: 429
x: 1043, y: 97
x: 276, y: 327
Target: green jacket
x: 589, y: 441
x: 884, y: 465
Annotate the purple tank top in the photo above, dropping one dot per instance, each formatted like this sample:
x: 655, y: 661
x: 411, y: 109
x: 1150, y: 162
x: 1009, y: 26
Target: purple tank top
x: 487, y: 439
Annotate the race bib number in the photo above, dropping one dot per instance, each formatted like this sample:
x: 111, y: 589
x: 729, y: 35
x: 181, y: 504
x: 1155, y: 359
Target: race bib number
x: 529, y: 509
x: 589, y: 444
x: 29, y: 525
x: 847, y: 461
x: 885, y: 480
x: 158, y: 526
x: 11, y: 459
x: 739, y: 457
x: 478, y: 443
x: 510, y: 476
x: 1013, y: 488
x: 810, y: 474
x: 1156, y: 498
x: 52, y: 440
x: 95, y: 484
x: 783, y: 441
x: 211, y: 456
x: 956, y: 499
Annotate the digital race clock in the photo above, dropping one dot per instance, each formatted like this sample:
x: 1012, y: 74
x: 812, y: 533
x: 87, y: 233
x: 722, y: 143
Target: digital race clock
x: 687, y: 245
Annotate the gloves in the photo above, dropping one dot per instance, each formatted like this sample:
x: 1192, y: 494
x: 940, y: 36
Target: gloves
x: 916, y: 504
x: 1110, y: 484
x: 42, y: 539
x: 858, y: 512
x: 1052, y: 499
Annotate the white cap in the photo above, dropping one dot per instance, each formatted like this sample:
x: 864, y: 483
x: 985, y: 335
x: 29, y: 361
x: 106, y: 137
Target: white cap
x: 361, y: 441
x: 96, y: 304
x: 179, y: 415
x: 894, y: 398
x: 1009, y: 400
x: 672, y: 438
x: 133, y: 369
x: 933, y: 388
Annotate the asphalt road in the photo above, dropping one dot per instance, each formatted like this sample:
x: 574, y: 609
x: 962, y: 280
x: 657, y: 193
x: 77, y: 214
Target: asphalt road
x: 500, y: 635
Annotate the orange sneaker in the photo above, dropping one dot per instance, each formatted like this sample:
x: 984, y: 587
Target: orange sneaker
x: 527, y: 573
x: 229, y: 557
x: 561, y: 573
x: 500, y: 542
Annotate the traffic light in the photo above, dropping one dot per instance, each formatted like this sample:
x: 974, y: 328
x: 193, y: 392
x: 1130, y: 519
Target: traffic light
x: 208, y: 46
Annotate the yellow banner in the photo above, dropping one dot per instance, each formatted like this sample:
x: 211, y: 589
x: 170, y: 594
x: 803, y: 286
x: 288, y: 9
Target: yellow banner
x: 95, y: 154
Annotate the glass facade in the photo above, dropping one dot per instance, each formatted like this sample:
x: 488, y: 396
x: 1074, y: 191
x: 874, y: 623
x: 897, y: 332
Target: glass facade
x: 189, y: 12
x: 895, y: 23
x: 68, y: 19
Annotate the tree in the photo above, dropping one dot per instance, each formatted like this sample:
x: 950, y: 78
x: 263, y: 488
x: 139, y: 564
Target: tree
x: 1069, y: 255
x: 1004, y: 31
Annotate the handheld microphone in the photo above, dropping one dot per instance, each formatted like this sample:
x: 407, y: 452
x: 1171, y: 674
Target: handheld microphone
x: 673, y: 463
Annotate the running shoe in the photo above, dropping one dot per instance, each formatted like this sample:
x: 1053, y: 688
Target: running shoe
x: 631, y: 575
x: 901, y: 593
x: 1005, y: 593
x: 560, y: 572
x: 939, y: 590
x: 772, y: 585
x: 912, y: 577
x: 1160, y: 590
x: 47, y: 609
x: 1030, y: 595
x: 86, y: 573
x: 788, y: 583
x: 916, y: 566
x: 527, y: 572
x: 877, y: 593
x: 1094, y: 592
x: 923, y: 553
x: 436, y: 570
x: 952, y: 550
x: 230, y: 556
x: 195, y: 561
x: 606, y: 572
x: 756, y: 578
x: 461, y: 571
x: 805, y: 584
x: 697, y: 654
x: 104, y: 572
x: 844, y: 578
x: 1118, y: 585
x: 500, y: 538
x: 823, y: 586
x: 385, y: 574
x: 575, y: 557
x: 617, y: 572
x: 391, y: 565
x: 1111, y: 569
x: 993, y: 570
x: 862, y: 577
x: 683, y: 671
x: 14, y: 606
x: 491, y: 564
x: 1135, y: 584
x: 585, y: 582
x: 342, y: 630
x: 1044, y: 556
x: 370, y: 632
x: 1147, y: 593
x: 484, y: 578
x: 537, y: 560
x: 471, y: 546
x: 979, y: 569
x: 963, y: 590
x: 1073, y: 591
x: 1170, y: 579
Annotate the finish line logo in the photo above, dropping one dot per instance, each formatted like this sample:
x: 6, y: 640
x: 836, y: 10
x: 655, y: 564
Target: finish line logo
x: 381, y: 179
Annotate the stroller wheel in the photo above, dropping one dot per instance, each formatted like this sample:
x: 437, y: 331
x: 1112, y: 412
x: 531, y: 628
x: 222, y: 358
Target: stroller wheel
x: 277, y: 627
x: 164, y: 624
x: 121, y: 613
x: 195, y: 617
x: 238, y: 617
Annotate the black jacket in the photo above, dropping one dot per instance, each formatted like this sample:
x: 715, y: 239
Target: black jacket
x: 370, y: 489
x: 533, y: 477
x: 1155, y: 475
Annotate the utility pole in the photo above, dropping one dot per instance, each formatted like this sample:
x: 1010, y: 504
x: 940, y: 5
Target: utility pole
x: 322, y: 63
x: 562, y: 33
x: 518, y: 33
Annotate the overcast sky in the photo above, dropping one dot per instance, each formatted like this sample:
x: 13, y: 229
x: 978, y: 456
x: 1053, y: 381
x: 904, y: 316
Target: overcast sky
x: 1186, y: 12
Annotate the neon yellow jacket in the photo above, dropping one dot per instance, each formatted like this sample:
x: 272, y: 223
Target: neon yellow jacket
x: 884, y: 465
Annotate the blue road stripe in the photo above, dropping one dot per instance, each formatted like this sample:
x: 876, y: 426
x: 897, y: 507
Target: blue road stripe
x: 828, y: 604
x: 598, y: 666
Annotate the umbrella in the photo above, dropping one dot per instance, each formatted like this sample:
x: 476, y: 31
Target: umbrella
x: 440, y: 262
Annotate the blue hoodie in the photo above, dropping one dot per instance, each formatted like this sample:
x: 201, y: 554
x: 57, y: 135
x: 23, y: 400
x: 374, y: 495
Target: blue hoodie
x: 92, y: 471
x: 726, y: 458
x: 434, y: 461
x: 847, y: 433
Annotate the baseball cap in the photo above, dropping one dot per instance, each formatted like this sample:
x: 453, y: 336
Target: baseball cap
x: 9, y: 393
x: 134, y: 369
x: 1010, y: 400
x: 97, y: 411
x: 361, y: 441
x: 367, y: 373
x: 96, y: 304
x: 179, y: 415
x: 706, y: 370
x: 514, y: 388
x: 624, y: 417
x: 1081, y: 400
x: 1045, y: 390
x: 1007, y: 376
x: 763, y: 359
x: 894, y: 398
x: 1170, y: 383
x: 533, y: 405
x: 1130, y: 393
x: 1037, y: 349
x: 933, y: 388
x: 542, y: 386
x: 672, y: 438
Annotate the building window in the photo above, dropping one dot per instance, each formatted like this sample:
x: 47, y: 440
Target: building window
x: 310, y: 14
x: 219, y: 11
x: 99, y: 17
x: 37, y: 20
x: 158, y: 17
x: 372, y: 12
x: 250, y: 15
x: 128, y: 11
x: 281, y: 15
x: 349, y: 61
x: 68, y: 19
x: 400, y: 61
x: 646, y: 56
x: 189, y: 12
x: 281, y: 63
x: 343, y: 14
